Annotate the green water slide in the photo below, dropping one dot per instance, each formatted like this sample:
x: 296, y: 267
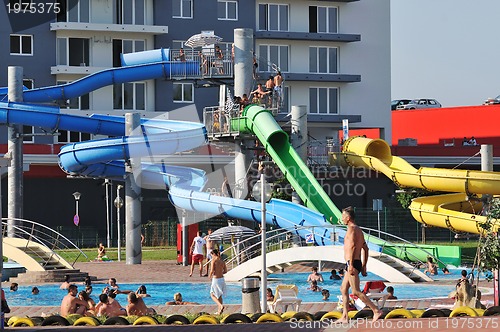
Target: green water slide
x: 261, y: 122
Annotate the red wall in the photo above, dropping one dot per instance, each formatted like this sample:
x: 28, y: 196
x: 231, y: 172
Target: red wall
x: 433, y: 126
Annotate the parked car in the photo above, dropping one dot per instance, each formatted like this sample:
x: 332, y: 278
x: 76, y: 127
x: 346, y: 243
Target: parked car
x: 420, y: 103
x: 492, y: 101
x: 398, y: 102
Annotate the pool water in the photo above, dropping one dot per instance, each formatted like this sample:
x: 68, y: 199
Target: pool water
x: 51, y: 295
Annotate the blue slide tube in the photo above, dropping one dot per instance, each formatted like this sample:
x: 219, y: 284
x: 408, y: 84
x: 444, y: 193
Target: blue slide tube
x: 155, y: 64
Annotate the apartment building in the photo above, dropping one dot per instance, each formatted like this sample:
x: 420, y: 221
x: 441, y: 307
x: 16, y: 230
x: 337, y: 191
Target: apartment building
x: 333, y: 55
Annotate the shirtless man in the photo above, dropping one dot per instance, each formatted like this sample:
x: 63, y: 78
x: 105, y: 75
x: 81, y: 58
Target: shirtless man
x: 65, y: 284
x: 278, y: 80
x: 315, y: 276
x: 210, y: 245
x: 178, y: 300
x: 71, y: 304
x: 354, y: 242
x: 258, y: 94
x: 103, y: 308
x: 112, y: 284
x: 217, y: 270
x: 136, y: 306
x: 112, y: 307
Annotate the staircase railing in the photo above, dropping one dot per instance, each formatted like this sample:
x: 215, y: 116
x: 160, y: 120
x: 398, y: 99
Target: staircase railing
x: 282, y: 238
x: 54, y: 241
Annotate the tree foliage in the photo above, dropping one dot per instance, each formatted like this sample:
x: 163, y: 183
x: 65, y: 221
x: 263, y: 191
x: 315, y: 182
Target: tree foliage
x: 489, y: 243
x: 282, y: 189
x: 405, y: 197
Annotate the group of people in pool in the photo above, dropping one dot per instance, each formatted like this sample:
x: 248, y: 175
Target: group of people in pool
x: 82, y: 303
x: 316, y: 277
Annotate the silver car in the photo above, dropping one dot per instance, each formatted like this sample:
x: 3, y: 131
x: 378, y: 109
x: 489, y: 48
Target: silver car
x: 420, y: 103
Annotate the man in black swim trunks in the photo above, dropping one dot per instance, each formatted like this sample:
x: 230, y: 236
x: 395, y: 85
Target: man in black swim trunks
x: 354, y: 243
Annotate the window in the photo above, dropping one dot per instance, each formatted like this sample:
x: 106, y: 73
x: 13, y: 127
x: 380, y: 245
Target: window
x: 226, y: 48
x: 323, y: 19
x: 65, y: 136
x: 178, y: 44
x: 129, y: 96
x: 323, y: 60
x: 28, y: 136
x: 227, y: 10
x: 21, y: 44
x: 273, y: 17
x: 183, y: 92
x: 131, y: 12
x: 78, y: 55
x: 273, y: 58
x: 126, y: 46
x: 74, y: 11
x: 323, y: 100
x: 182, y: 8
x: 29, y: 83
x: 77, y: 103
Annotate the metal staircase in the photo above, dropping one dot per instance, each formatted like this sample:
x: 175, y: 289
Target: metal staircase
x: 45, y: 254
x: 405, y: 268
x: 279, y: 242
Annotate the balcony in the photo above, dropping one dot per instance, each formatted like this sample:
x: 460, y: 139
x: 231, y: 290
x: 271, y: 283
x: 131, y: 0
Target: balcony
x: 323, y: 118
x: 315, y: 77
x: 102, y: 27
x: 77, y: 70
x: 289, y: 35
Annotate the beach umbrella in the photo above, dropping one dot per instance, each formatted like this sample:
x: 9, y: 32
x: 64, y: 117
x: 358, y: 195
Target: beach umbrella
x: 202, y: 39
x: 230, y: 232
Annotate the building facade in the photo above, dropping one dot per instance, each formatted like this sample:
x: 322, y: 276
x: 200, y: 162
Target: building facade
x: 334, y: 57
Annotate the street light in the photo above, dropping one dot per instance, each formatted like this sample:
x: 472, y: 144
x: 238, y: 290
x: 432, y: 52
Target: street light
x: 107, y: 183
x: 118, y: 204
x: 262, y: 192
x: 377, y: 206
x: 76, y: 218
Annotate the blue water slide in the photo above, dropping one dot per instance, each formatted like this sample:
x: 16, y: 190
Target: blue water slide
x: 155, y: 64
x: 106, y: 157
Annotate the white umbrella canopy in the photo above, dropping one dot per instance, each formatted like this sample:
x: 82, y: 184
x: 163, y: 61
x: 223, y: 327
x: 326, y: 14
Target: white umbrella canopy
x: 202, y: 39
x: 226, y: 233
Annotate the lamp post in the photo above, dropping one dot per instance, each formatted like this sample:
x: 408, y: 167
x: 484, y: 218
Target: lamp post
x: 262, y: 192
x: 107, y: 183
x: 76, y: 218
x: 377, y: 206
x: 118, y: 204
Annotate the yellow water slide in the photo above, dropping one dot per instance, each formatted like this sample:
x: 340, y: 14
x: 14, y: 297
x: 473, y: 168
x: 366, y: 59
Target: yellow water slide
x: 460, y: 211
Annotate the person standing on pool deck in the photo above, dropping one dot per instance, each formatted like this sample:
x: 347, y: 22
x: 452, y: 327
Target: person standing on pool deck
x: 197, y: 247
x: 217, y: 270
x: 210, y: 245
x: 354, y: 242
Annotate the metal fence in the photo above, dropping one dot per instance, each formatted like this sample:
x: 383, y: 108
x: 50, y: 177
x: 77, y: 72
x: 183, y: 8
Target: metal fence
x: 156, y: 233
x: 399, y: 222
x: 393, y: 220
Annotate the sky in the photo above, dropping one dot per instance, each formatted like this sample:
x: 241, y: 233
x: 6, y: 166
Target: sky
x: 448, y: 50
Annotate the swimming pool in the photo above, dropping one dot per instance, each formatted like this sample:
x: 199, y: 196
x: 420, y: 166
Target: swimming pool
x: 51, y: 295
